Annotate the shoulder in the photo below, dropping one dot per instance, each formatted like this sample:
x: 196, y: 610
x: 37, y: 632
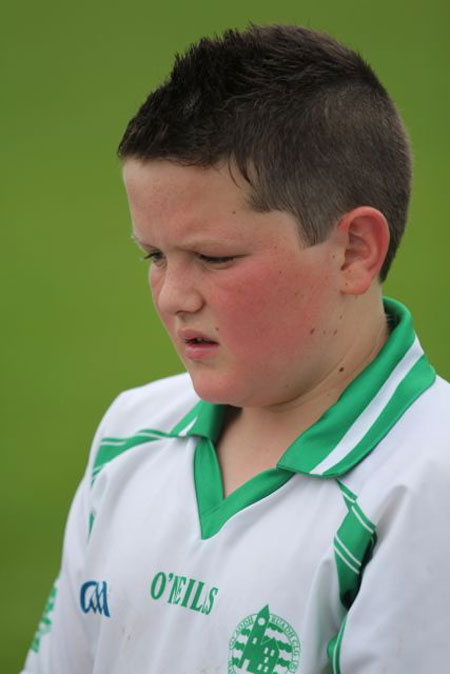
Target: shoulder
x: 160, y: 405
x: 423, y: 432
x: 426, y: 424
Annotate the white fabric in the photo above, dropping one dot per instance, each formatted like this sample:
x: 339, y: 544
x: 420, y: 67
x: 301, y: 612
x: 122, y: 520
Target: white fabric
x: 276, y: 552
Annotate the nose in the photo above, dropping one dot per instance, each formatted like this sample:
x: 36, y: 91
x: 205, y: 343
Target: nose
x: 175, y: 289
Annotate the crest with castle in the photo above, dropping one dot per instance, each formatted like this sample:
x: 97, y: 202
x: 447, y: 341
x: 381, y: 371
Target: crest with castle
x: 264, y: 643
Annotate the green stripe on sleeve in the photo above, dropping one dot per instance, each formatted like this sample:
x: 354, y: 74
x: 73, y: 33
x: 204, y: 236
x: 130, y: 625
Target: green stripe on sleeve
x: 353, y: 546
x: 334, y: 649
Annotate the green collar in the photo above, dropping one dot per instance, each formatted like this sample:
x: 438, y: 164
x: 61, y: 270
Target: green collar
x: 365, y: 412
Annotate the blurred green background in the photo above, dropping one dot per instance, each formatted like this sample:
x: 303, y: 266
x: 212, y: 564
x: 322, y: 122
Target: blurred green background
x: 77, y: 325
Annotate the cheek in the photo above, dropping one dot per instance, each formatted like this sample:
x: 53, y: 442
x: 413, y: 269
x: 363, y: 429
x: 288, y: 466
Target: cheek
x: 154, y: 289
x: 276, y: 312
x: 154, y: 278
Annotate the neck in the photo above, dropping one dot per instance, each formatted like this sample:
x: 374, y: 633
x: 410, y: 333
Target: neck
x: 366, y: 333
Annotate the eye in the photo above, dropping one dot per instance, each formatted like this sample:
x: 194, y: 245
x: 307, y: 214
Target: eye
x: 217, y: 260
x: 155, y: 256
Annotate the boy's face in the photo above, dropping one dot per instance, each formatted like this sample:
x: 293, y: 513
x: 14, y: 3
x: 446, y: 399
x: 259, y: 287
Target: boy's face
x: 268, y: 306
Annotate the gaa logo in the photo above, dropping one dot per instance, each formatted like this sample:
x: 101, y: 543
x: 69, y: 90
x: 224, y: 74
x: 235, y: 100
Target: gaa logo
x: 93, y: 597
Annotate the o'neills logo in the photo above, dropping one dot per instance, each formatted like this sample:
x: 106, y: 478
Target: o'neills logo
x: 183, y: 591
x: 264, y: 642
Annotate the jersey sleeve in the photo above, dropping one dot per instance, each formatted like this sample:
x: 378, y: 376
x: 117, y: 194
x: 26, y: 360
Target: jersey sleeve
x: 400, y: 619
x: 60, y: 643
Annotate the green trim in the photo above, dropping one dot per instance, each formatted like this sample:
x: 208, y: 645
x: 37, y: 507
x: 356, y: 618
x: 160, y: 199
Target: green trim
x: 91, y: 522
x: 334, y: 649
x: 209, y: 422
x: 207, y: 476
x: 419, y: 379
x: 349, y: 496
x: 45, y: 623
x: 214, y: 511
x: 317, y: 442
x: 111, y: 448
x: 353, y: 547
x: 354, y: 543
x: 186, y: 420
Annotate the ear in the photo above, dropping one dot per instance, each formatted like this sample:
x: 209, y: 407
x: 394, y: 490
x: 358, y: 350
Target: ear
x: 364, y: 235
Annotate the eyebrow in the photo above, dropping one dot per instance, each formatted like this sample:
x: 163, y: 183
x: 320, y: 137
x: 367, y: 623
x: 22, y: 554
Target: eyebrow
x: 189, y: 245
x: 138, y: 241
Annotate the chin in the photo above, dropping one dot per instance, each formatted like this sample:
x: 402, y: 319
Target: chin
x: 217, y: 392
x: 222, y: 392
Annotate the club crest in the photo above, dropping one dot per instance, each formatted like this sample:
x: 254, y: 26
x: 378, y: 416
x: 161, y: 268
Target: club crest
x: 264, y: 643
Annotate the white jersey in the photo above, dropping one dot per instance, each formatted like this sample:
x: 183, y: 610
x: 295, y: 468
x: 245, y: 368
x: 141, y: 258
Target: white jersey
x: 336, y: 560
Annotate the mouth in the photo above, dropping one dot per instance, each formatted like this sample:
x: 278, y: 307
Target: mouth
x: 195, y: 337
x: 199, y: 340
x: 197, y: 346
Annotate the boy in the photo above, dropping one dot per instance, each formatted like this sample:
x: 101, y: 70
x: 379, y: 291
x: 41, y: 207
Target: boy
x: 283, y: 506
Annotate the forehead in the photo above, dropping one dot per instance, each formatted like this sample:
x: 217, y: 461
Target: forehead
x: 163, y: 187
x: 170, y: 200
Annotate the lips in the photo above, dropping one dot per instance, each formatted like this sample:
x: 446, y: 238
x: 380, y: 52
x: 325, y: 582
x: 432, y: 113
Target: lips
x: 189, y: 336
x: 198, y: 346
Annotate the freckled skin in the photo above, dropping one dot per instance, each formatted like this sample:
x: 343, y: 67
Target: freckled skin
x: 272, y: 309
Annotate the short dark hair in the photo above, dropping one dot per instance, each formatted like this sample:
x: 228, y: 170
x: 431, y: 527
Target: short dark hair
x: 305, y: 120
